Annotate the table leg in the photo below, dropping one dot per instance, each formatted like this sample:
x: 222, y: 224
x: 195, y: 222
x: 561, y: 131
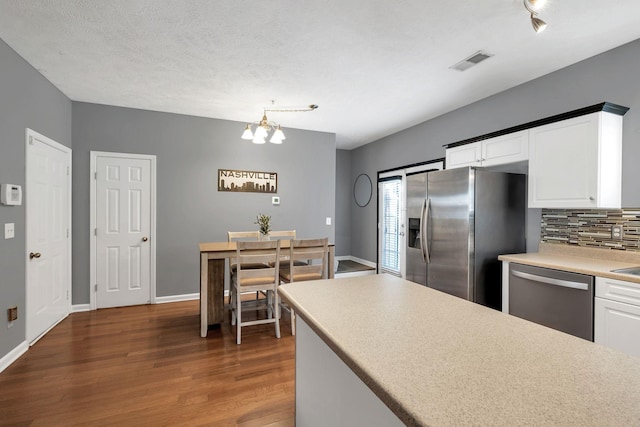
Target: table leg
x: 216, y: 292
x: 330, y: 262
x: 204, y: 274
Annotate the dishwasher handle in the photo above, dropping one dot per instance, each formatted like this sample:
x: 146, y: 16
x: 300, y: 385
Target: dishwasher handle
x: 551, y: 281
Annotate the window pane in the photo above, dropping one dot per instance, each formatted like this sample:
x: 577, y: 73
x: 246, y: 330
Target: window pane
x: 391, y: 225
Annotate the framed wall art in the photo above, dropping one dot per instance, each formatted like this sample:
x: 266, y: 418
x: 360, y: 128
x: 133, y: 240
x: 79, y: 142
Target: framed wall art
x: 247, y: 181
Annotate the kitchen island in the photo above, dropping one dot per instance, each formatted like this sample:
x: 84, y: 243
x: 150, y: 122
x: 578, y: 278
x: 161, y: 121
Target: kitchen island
x: 379, y: 350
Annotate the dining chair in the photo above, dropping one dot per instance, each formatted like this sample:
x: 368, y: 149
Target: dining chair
x: 307, y: 261
x: 264, y: 279
x: 240, y: 236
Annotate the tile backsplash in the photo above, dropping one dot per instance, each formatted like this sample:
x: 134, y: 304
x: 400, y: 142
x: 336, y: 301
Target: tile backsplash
x: 592, y: 227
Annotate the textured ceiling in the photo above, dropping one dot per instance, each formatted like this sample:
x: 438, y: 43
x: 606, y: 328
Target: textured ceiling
x: 374, y: 67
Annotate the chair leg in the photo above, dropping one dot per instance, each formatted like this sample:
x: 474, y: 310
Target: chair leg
x: 233, y: 304
x: 278, y: 308
x: 277, y: 314
x: 239, y: 319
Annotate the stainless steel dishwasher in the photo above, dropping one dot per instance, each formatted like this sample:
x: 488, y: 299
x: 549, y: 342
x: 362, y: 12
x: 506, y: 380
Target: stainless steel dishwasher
x: 558, y: 299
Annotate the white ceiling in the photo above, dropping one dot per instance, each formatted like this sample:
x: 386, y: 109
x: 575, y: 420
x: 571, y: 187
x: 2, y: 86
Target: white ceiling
x: 374, y: 67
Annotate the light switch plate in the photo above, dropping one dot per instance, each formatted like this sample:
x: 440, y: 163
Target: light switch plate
x: 9, y: 230
x: 328, y: 221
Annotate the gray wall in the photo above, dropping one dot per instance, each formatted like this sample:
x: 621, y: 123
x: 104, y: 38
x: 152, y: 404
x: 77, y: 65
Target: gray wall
x: 189, y: 151
x: 27, y: 100
x: 344, y: 200
x: 611, y: 76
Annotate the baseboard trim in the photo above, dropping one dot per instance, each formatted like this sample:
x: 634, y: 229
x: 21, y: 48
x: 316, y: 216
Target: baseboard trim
x: 364, y: 261
x: 77, y: 308
x: 13, y: 355
x: 356, y: 259
x: 177, y: 298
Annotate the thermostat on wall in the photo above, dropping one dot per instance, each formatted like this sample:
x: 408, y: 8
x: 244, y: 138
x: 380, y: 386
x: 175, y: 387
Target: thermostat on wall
x: 275, y: 200
x: 10, y: 194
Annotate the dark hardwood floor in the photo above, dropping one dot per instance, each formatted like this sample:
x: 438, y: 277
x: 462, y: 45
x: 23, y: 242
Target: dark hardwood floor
x: 147, y: 365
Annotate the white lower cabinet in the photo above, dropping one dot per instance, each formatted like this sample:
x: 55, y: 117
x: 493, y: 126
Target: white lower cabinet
x: 617, y: 315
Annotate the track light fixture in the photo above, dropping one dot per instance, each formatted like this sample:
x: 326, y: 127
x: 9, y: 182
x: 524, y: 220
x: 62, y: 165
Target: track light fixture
x: 533, y: 7
x: 265, y: 126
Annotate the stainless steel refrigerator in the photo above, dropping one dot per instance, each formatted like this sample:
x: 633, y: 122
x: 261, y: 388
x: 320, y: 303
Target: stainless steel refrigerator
x: 467, y: 217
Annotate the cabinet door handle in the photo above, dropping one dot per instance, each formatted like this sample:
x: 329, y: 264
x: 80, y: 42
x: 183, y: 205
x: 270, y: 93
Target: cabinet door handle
x: 592, y: 198
x: 33, y: 255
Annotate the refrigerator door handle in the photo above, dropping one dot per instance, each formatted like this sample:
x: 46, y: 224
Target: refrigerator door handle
x: 426, y: 230
x: 421, y: 231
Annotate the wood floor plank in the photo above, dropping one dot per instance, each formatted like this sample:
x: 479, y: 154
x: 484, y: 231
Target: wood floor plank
x: 147, y: 365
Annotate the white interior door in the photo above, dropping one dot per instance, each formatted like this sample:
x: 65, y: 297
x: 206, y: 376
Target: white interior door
x: 123, y: 229
x: 48, y: 234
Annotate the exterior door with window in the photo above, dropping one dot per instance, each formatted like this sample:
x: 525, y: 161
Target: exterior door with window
x: 392, y: 225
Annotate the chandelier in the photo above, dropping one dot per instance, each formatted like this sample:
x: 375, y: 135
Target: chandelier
x: 264, y: 126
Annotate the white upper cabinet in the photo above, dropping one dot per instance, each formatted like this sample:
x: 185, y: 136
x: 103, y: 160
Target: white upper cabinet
x: 576, y: 163
x: 463, y: 155
x: 509, y: 148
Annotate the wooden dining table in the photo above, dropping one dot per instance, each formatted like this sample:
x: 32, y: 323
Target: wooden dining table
x: 212, y: 270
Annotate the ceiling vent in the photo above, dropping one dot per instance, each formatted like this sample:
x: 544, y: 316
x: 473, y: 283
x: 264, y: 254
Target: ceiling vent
x: 472, y: 60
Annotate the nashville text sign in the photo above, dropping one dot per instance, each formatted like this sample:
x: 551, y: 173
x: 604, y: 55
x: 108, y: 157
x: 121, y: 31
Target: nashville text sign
x: 247, y: 181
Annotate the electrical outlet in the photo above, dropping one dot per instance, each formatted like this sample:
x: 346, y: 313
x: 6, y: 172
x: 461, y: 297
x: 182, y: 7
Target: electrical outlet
x: 616, y: 232
x: 12, y: 314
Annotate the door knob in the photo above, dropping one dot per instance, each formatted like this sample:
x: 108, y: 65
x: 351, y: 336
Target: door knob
x: 33, y: 255
x: 144, y: 239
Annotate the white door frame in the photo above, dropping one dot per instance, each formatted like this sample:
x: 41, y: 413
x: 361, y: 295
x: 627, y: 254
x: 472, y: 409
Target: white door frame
x: 29, y: 134
x: 93, y: 223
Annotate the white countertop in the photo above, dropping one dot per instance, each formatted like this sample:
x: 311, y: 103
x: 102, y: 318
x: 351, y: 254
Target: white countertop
x: 435, y: 359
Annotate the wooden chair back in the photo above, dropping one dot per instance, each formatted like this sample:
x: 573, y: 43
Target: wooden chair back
x: 266, y: 253
x: 233, y: 236
x: 314, y: 253
x: 241, y: 236
x: 283, y: 234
